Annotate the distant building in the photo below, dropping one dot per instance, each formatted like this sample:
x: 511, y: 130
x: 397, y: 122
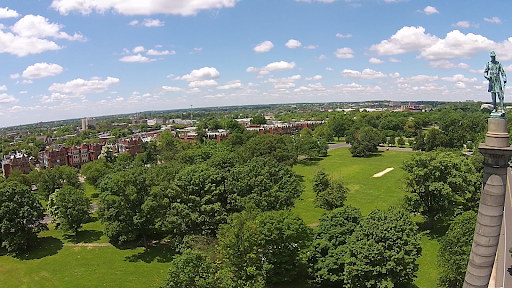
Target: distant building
x: 15, y: 161
x: 487, y: 106
x: 132, y: 146
x: 78, y: 156
x: 86, y: 122
x: 55, y: 157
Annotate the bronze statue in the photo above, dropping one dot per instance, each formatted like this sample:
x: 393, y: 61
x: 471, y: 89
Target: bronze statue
x: 492, y: 72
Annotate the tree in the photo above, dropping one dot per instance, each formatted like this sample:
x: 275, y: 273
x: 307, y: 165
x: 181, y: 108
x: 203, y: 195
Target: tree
x: 280, y: 148
x: 69, y: 207
x: 455, y: 250
x: 364, y: 141
x: 329, y: 253
x: 128, y: 206
x: 441, y: 182
x: 308, y: 146
x: 434, y: 139
x: 419, y: 142
x: 383, y: 250
x: 258, y: 119
x: 321, y: 181
x: 263, y: 245
x: 192, y: 269
x: 168, y: 146
x: 340, y: 124
x: 391, y: 141
x: 21, y: 214
x: 94, y: 171
x: 324, y: 132
x: 333, y: 197
x: 50, y: 180
x: 401, y: 142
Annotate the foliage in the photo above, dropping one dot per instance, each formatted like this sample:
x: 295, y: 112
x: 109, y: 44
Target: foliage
x: 333, y: 197
x: 400, y: 142
x: 258, y: 119
x: 168, y: 146
x: 383, y: 250
x: 321, y: 181
x: 309, y: 146
x: 364, y: 141
x: 191, y: 269
x: 20, y: 214
x: 339, y: 124
x: 50, y: 180
x: 329, y: 253
x: 325, y: 132
x: 94, y: 171
x: 263, y: 246
x: 440, y: 183
x: 455, y: 250
x: 280, y: 148
x: 128, y: 206
x: 69, y: 207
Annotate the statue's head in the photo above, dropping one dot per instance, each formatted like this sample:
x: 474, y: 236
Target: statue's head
x: 493, y: 55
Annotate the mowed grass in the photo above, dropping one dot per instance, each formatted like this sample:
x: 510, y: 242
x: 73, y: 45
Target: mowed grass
x: 367, y: 194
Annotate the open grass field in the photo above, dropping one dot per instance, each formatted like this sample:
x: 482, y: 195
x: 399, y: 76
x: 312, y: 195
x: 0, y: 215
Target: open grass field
x: 367, y: 193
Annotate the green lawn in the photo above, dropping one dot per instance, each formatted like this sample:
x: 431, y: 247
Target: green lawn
x: 367, y: 193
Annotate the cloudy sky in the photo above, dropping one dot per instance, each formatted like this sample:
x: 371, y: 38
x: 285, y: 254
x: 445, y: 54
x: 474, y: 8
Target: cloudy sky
x: 64, y: 59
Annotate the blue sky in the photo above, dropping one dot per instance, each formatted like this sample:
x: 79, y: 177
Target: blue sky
x: 73, y: 58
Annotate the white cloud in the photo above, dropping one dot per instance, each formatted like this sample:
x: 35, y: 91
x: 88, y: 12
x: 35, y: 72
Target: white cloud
x: 138, y: 49
x: 26, y: 82
x: 41, y: 70
x: 7, y: 99
x: 455, y: 45
x: 275, y: 66
x: 465, y: 24
x: 134, y: 22
x: 23, y: 92
x: 458, y: 78
x: 32, y: 26
x: 15, y: 76
x: 430, y: 10
x: 460, y: 85
x: 344, y: 36
x: 447, y: 64
x: 153, y: 52
x: 481, y: 71
x: 136, y: 58
x: 200, y: 74
x: 159, y: 46
x: 344, y: 53
x: 264, y: 47
x: 81, y: 87
x: 198, y: 49
x: 290, y: 79
x: 202, y: 83
x: 283, y: 85
x: 231, y: 85
x: 356, y: 87
x: 316, y: 78
x: 310, y: 47
x: 418, y: 79
x: 365, y: 74
x: 146, y: 95
x: 322, y: 57
x: 394, y: 60
x: 493, y: 20
x: 374, y: 60
x: 8, y: 13
x: 23, y: 46
x: 3, y: 88
x: 137, y: 7
x: 329, y: 69
x: 292, y: 44
x: 152, y: 23
x: 311, y: 87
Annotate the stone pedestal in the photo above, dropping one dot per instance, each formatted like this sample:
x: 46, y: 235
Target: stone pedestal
x: 497, y: 152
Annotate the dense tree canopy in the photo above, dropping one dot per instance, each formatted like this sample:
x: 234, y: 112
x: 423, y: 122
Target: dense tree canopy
x: 20, y: 216
x: 364, y: 141
x: 70, y: 208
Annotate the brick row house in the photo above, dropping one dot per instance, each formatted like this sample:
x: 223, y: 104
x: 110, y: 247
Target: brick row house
x: 73, y: 156
x: 15, y: 161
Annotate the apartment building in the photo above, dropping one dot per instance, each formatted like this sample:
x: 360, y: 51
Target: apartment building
x: 15, y: 161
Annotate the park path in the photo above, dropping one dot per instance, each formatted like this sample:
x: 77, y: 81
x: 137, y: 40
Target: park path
x: 88, y: 244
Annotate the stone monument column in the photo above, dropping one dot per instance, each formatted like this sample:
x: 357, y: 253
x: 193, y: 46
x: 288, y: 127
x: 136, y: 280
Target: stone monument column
x: 497, y: 152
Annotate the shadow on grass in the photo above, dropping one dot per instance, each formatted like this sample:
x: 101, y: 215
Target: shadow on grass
x: 162, y: 253
x: 46, y: 246
x: 311, y: 161
x: 439, y: 230
x: 85, y: 236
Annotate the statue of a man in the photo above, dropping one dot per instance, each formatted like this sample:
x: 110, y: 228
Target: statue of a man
x: 492, y: 72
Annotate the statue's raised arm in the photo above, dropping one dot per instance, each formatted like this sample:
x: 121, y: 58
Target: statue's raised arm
x: 494, y: 72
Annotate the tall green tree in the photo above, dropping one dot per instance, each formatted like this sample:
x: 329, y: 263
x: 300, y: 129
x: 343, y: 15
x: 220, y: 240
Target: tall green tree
x: 50, y: 180
x: 383, y: 251
x: 263, y: 246
x: 364, y: 141
x: 21, y: 214
x: 280, y: 148
x: 258, y: 119
x: 192, y: 269
x: 329, y: 252
x: 455, y: 250
x: 96, y: 170
x: 438, y: 183
x: 70, y: 208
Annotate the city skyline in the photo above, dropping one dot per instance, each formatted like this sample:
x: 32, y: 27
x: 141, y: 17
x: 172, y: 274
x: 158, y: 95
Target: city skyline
x: 69, y: 59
